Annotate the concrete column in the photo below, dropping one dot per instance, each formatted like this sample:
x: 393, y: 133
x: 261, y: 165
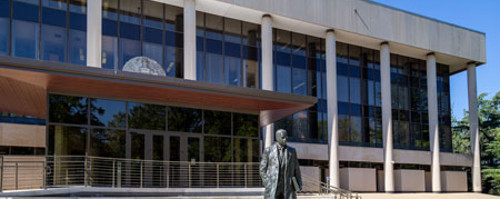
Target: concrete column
x: 189, y: 40
x: 385, y: 83
x: 331, y: 92
x: 474, y: 127
x: 94, y: 33
x: 267, y: 68
x: 432, y: 102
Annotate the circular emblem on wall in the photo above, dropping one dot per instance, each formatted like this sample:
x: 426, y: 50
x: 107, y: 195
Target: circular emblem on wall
x: 144, y: 65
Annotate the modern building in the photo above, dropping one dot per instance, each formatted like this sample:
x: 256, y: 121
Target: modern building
x: 363, y: 89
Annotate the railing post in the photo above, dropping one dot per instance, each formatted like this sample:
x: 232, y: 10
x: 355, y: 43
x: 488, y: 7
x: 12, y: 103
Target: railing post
x: 44, y: 174
x: 85, y: 174
x: 67, y: 179
x: 119, y: 173
x: 113, y: 175
x: 140, y: 175
x: 17, y: 175
x: 168, y: 175
x: 1, y: 175
x: 217, y: 172
x: 245, y: 170
x: 189, y: 174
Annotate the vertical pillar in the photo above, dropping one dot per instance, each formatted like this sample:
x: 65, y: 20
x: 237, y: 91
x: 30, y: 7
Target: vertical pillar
x: 94, y: 33
x: 385, y: 83
x: 267, y: 68
x: 433, y: 122
x: 331, y: 91
x: 474, y: 127
x: 189, y: 40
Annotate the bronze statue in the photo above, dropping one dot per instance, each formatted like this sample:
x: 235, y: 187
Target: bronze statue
x: 279, y: 169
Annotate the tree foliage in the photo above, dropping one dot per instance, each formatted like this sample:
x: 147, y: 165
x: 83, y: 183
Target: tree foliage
x: 489, y: 129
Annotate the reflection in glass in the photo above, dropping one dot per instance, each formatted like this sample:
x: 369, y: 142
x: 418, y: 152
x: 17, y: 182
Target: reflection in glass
x: 67, y: 109
x: 107, y: 143
x: 4, y: 27
x: 108, y: 113
x: 217, y: 149
x: 53, y: 43
x: 193, y: 149
x: 245, y: 125
x: 146, y: 116
x: 184, y: 119
x: 158, y: 147
x: 233, y: 71
x: 67, y: 140
x: 300, y: 126
x: 217, y: 122
x: 137, y: 146
x: 175, y: 148
x: 24, y: 39
x: 77, y: 32
x: 246, y: 150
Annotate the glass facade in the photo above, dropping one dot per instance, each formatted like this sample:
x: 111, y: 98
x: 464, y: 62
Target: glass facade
x: 227, y: 51
x: 299, y: 68
x: 359, y: 96
x: 53, y: 30
x: 143, y: 28
x: 120, y: 129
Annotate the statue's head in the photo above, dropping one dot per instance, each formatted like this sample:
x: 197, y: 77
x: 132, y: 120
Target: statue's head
x: 281, y: 137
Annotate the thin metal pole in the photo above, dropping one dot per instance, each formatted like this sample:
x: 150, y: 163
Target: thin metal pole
x: 141, y: 175
x: 1, y: 175
x: 119, y: 172
x: 217, y: 172
x: 85, y: 175
x: 245, y: 170
x: 113, y: 175
x: 168, y: 175
x: 17, y: 176
x: 189, y: 174
x: 44, y: 174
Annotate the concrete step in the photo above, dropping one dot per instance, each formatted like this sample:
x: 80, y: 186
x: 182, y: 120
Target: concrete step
x: 427, y: 196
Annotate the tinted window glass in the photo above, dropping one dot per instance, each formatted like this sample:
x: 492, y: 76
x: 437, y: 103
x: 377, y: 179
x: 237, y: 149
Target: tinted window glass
x: 217, y: 122
x: 184, y: 120
x: 108, y: 113
x: 245, y: 125
x: 107, y: 143
x: 146, y: 116
x: 217, y: 149
x: 67, y: 140
x: 68, y: 109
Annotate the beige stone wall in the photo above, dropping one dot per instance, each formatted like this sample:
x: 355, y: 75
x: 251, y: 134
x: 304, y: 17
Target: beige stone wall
x: 358, y: 179
x: 406, y: 180
x: 454, y: 181
x: 28, y: 171
x: 310, y: 177
x: 22, y: 135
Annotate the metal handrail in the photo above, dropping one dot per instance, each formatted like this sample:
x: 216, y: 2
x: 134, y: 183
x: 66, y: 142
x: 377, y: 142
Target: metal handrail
x: 68, y: 171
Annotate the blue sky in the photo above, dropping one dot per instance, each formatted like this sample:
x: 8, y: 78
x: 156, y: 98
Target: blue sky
x: 480, y: 15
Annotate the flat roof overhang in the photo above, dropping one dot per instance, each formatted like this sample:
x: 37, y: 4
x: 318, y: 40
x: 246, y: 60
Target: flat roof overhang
x: 24, y: 84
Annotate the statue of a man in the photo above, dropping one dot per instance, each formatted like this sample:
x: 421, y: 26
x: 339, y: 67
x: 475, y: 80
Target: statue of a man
x: 279, y: 169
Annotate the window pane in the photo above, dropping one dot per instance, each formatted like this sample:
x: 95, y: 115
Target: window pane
x: 355, y: 93
x: 146, y: 116
x: 215, y: 68
x: 108, y: 113
x: 217, y: 149
x: 153, y: 14
x: 246, y: 150
x: 232, y: 30
x: 107, y: 143
x: 300, y: 129
x: 250, y: 34
x: 282, y: 41
x: 233, y: 71
x: 193, y: 149
x: 130, y: 11
x: 4, y: 27
x: 355, y: 133
x: 109, y: 52
x: 343, y: 88
x: 213, y: 26
x: 67, y: 140
x: 184, y: 119
x: 53, y: 43
x: 173, y: 62
x: 128, y: 50
x: 174, y: 18
x: 77, y: 32
x: 25, y: 39
x: 67, y: 109
x: 246, y: 125
x: 299, y: 44
x: 251, y: 73
x: 217, y: 122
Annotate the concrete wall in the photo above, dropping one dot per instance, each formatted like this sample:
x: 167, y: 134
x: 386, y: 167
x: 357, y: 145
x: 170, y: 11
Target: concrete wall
x: 373, y: 20
x: 428, y: 181
x: 454, y: 181
x: 22, y: 135
x: 308, y: 174
x: 406, y: 180
x: 358, y: 179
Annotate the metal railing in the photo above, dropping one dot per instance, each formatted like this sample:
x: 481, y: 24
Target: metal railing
x: 69, y: 171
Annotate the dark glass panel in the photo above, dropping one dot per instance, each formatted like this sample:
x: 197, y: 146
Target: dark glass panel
x: 246, y: 125
x: 153, y: 14
x: 217, y: 149
x: 184, y: 119
x: 173, y: 62
x: 146, y: 116
x: 233, y: 71
x: 214, y: 46
x: 299, y: 79
x: 4, y: 150
x: 344, y: 125
x: 24, y: 11
x: 285, y: 123
x: 175, y: 148
x: 177, y: 39
x: 53, y: 43
x: 343, y: 88
x: 300, y: 128
x: 174, y: 18
x: 299, y: 44
x: 25, y: 39
x: 54, y: 17
x: 67, y: 109
x: 282, y: 40
x: 108, y: 113
x: 217, y: 122
x: 193, y: 149
x: 67, y: 140
x: 137, y: 145
x: 4, y: 27
x: 107, y: 143
x: 158, y: 143
x: 246, y: 150
x: 251, y: 34
x: 128, y: 49
x: 77, y: 47
x: 200, y: 66
x: 110, y: 9
x: 232, y: 49
x: 354, y: 90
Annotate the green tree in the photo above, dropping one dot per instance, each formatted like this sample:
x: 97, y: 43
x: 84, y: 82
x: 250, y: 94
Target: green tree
x: 489, y: 129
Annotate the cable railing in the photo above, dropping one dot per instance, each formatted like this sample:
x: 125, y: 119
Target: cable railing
x: 44, y: 172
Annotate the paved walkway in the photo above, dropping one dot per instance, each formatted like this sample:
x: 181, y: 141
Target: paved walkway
x: 428, y: 196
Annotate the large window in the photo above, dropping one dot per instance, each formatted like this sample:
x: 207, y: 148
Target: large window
x: 227, y: 51
x: 359, y: 95
x: 409, y: 104
x: 299, y: 67
x: 102, y: 131
x: 53, y: 30
x: 134, y: 29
